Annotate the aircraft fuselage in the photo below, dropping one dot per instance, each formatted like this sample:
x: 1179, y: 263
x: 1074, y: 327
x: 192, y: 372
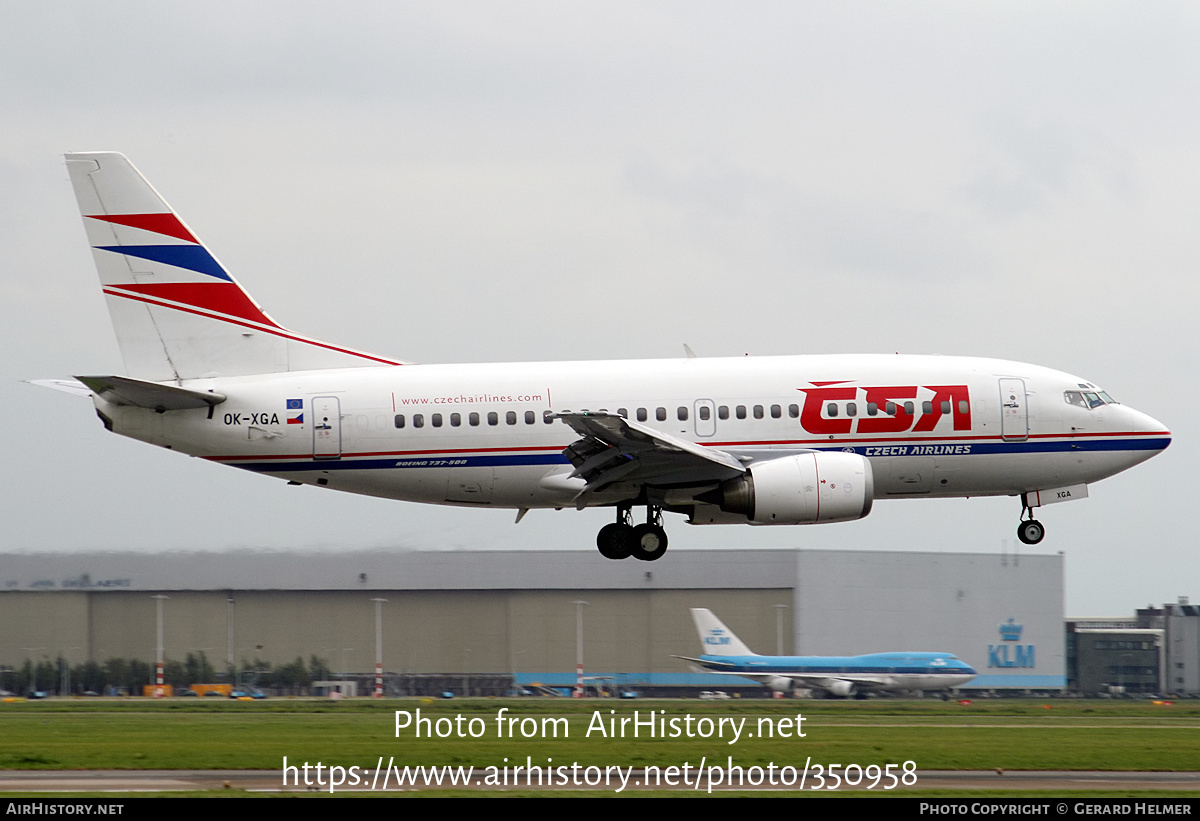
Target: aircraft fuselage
x: 480, y: 434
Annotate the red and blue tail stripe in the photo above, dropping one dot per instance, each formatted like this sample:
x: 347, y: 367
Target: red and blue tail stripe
x: 217, y: 293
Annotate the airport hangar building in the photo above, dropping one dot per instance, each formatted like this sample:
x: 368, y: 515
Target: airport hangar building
x: 474, y: 617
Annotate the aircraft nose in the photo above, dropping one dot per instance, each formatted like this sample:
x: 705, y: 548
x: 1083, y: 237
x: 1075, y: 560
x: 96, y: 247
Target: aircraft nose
x: 1148, y: 424
x: 1154, y: 434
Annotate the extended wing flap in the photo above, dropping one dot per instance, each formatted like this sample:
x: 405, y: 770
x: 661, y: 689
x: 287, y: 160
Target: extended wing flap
x: 122, y: 390
x: 614, y: 447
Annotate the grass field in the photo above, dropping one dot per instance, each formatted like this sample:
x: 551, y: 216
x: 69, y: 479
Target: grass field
x: 1059, y: 734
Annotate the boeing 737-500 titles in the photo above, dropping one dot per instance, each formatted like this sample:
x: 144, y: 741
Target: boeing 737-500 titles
x: 843, y: 676
x: 752, y: 440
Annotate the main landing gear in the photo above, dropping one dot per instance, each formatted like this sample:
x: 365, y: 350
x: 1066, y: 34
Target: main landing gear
x: 1029, y: 531
x: 622, y: 539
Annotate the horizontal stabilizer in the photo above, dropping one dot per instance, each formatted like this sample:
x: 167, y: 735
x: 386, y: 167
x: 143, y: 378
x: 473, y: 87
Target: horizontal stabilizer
x: 121, y: 390
x: 65, y: 385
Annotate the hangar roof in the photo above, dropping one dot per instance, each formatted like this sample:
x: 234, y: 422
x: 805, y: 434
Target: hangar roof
x: 393, y: 570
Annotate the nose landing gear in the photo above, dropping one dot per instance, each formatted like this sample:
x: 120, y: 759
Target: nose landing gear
x: 1029, y: 531
x: 621, y: 539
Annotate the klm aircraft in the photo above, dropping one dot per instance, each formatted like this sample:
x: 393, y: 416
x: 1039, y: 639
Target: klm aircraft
x: 841, y: 676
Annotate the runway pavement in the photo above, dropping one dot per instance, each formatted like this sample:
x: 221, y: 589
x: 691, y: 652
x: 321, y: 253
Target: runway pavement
x: 124, y: 781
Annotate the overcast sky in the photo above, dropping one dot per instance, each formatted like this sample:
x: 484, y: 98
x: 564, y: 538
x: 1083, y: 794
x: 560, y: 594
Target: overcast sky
x: 522, y: 181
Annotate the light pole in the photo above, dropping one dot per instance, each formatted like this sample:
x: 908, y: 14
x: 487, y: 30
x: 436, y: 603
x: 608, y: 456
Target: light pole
x: 579, y: 605
x: 379, y: 647
x: 64, y: 672
x: 158, y: 656
x: 230, y: 669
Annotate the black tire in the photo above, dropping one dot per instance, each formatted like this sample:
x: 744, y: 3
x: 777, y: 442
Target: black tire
x: 615, y: 541
x: 1031, y: 531
x: 649, y: 542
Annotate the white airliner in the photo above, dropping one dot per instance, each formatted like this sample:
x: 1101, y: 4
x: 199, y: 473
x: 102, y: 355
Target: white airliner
x: 843, y: 676
x: 758, y: 440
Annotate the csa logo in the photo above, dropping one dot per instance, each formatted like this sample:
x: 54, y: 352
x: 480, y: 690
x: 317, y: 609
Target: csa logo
x: 898, y: 408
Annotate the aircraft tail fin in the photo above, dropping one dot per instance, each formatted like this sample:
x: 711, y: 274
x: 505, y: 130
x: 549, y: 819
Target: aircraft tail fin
x: 715, y: 637
x: 177, y: 312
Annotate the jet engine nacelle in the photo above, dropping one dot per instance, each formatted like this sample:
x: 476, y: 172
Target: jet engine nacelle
x: 821, y: 486
x: 780, y: 684
x: 841, y: 689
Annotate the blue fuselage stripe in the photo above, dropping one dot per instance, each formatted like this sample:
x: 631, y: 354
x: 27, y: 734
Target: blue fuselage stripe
x: 452, y: 460
x: 908, y: 448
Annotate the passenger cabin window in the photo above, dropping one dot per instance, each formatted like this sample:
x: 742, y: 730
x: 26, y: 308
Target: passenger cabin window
x: 776, y: 412
x: 473, y: 420
x: 851, y: 409
x: 418, y: 420
x: 831, y: 409
x: 660, y: 414
x: 758, y: 411
x: 723, y: 412
x: 436, y: 420
x: 642, y: 416
x: 909, y: 408
x: 493, y: 418
x: 548, y: 417
x: 399, y: 420
x: 741, y: 411
x: 623, y: 413
x: 794, y: 411
x: 704, y: 412
x: 455, y: 420
x: 681, y: 413
x: 530, y: 417
x: 927, y: 408
x: 872, y: 409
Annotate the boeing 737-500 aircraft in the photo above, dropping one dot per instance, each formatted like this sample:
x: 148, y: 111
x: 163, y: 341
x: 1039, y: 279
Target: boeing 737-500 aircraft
x: 843, y: 676
x: 757, y: 440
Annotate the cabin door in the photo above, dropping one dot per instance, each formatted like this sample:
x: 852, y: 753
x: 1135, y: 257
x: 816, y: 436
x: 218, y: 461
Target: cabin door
x: 1014, y: 410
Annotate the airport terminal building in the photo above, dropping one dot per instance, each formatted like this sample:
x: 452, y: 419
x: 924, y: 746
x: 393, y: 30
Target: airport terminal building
x: 482, y: 620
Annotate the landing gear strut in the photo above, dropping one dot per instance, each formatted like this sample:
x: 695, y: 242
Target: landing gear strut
x: 1029, y: 531
x: 621, y: 539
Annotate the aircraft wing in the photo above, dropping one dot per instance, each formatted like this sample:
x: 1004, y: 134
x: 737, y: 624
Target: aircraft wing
x: 613, y: 448
x: 706, y: 663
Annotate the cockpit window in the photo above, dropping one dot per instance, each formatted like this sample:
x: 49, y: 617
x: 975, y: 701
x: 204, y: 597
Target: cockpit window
x: 1087, y: 399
